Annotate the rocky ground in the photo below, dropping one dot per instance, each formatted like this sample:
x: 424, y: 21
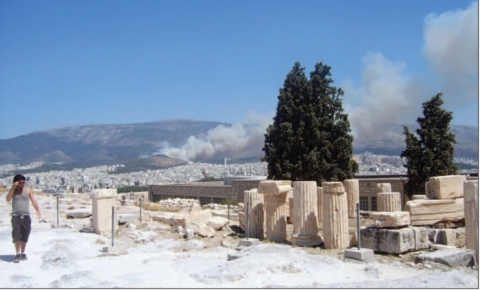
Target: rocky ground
x: 152, y: 253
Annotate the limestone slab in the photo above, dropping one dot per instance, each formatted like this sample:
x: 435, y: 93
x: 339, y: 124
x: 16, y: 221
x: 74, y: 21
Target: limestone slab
x: 449, y: 257
x: 432, y: 211
x: 443, y: 187
x: 217, y: 222
x: 274, y: 186
x: 362, y: 254
x: 396, y: 241
x: 390, y: 219
x: 79, y: 213
x: 127, y: 217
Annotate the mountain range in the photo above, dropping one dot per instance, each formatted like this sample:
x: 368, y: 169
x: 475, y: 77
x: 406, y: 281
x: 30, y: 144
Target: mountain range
x: 93, y: 145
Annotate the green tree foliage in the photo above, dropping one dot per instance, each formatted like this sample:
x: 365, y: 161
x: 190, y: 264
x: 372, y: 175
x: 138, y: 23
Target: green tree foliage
x: 309, y: 138
x: 432, y: 153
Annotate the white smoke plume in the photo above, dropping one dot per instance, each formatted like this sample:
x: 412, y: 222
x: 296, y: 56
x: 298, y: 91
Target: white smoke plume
x: 451, y: 46
x: 388, y: 95
x: 241, y: 140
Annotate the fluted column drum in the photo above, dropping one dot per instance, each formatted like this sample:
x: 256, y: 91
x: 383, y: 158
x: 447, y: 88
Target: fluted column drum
x: 352, y: 188
x: 254, y: 202
x: 389, y: 201
x: 384, y: 187
x: 276, y: 212
x: 305, y: 229
x: 335, y: 216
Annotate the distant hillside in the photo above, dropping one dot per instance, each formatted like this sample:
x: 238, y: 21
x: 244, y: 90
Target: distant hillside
x: 93, y: 145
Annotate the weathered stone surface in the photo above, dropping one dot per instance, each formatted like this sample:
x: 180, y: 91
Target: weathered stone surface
x: 366, y: 255
x: 217, y: 223
x: 421, y: 238
x: 432, y: 211
x: 189, y: 234
x: 103, y: 200
x: 276, y: 212
x: 79, y: 213
x: 389, y: 201
x: 449, y: 257
x: 335, y: 216
x: 200, y: 216
x: 384, y: 187
x: 447, y: 237
x: 443, y: 187
x: 471, y: 215
x: 390, y: 219
x: 201, y: 229
x: 352, y: 189
x: 254, y: 204
x: 419, y: 196
x: 127, y: 218
x: 332, y: 187
x: 305, y: 227
x: 396, y: 241
x: 274, y: 186
x: 163, y: 217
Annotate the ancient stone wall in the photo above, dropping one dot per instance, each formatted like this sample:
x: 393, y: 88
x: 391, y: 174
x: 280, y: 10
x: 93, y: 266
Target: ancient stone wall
x: 218, y: 193
x: 239, y: 187
x: 204, y: 193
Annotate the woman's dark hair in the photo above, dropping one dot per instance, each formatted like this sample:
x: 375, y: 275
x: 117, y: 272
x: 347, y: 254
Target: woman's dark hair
x: 18, y: 177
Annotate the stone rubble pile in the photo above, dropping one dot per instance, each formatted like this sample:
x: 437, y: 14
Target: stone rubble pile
x: 178, y: 204
x: 444, y: 202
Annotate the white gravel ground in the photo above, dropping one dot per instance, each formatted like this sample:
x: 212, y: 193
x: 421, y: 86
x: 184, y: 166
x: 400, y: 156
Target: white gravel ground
x: 68, y: 258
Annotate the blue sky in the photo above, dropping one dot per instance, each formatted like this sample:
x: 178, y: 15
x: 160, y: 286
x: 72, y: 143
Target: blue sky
x: 71, y: 63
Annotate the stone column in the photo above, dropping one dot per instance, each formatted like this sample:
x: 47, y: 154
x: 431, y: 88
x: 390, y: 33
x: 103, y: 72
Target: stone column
x: 352, y: 188
x: 254, y: 204
x: 335, y: 216
x: 320, y: 204
x: 471, y: 215
x: 389, y: 202
x: 305, y: 228
x: 384, y: 187
x: 102, y: 202
x: 275, y: 208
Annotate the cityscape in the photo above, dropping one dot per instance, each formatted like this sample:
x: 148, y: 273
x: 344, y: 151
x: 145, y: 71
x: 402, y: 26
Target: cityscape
x: 84, y: 180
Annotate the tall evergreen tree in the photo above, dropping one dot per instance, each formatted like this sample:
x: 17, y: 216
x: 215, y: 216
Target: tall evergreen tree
x: 432, y: 153
x: 309, y: 138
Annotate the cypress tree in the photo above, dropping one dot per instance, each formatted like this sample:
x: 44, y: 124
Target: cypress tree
x: 432, y: 154
x: 309, y: 138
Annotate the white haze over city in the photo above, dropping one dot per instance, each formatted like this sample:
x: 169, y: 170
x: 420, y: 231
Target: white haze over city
x: 388, y: 93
